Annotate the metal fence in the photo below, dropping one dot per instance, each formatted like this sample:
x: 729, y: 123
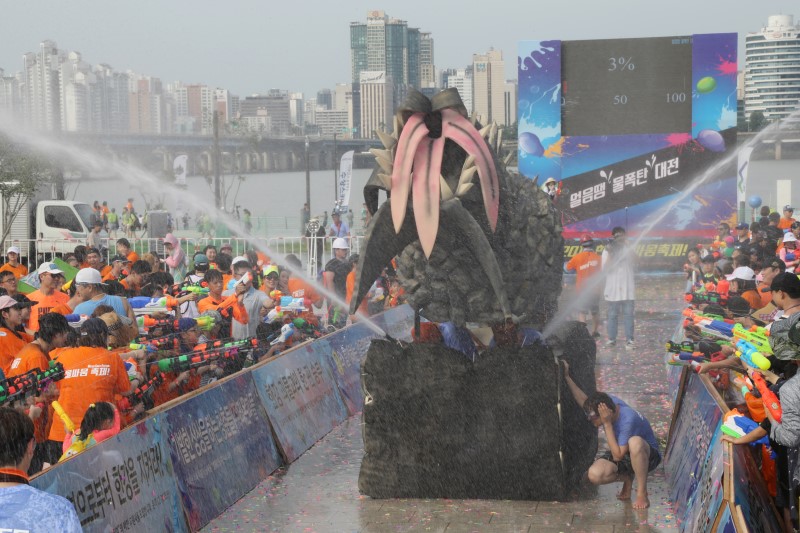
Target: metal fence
x: 313, y: 252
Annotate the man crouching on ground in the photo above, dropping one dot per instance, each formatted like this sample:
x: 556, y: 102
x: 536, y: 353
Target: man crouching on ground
x: 633, y: 448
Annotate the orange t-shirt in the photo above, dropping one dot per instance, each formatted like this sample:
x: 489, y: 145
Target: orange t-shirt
x: 62, y: 309
x: 350, y: 285
x: 45, y: 305
x: 753, y: 298
x: 585, y: 264
x: 20, y: 270
x: 105, y: 270
x: 10, y: 346
x: 239, y: 310
x: 133, y: 256
x: 298, y: 288
x: 30, y: 357
x: 786, y: 223
x: 766, y: 297
x: 91, y: 375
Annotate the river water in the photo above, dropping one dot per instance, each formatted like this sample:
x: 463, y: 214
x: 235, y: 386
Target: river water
x: 275, y: 199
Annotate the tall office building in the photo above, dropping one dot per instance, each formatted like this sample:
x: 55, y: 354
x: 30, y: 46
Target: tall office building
x: 460, y: 79
x: 772, y: 69
x: 325, y: 98
x: 488, y: 86
x: 376, y: 103
x: 10, y: 96
x: 296, y: 112
x: 388, y: 45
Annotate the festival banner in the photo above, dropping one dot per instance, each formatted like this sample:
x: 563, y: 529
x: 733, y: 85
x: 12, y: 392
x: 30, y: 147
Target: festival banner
x: 691, y: 432
x: 300, y: 395
x: 725, y: 522
x: 345, y: 181
x: 348, y: 347
x: 221, y: 447
x: 125, y: 483
x: 753, y: 502
x: 705, y: 503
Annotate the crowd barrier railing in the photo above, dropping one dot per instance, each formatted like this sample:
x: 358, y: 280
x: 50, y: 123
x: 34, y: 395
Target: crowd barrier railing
x: 714, y: 485
x: 193, y: 457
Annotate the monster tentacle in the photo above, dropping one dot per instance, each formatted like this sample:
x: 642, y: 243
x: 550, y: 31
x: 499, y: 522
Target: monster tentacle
x: 462, y: 132
x: 381, y: 245
x: 427, y: 168
x: 456, y: 217
x: 414, y: 131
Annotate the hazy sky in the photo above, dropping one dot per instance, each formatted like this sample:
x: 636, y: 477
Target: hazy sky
x: 250, y: 46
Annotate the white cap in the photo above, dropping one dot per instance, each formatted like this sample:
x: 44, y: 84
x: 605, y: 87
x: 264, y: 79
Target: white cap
x: 238, y: 259
x: 789, y: 237
x: 13, y: 249
x: 49, y: 268
x: 745, y: 273
x: 340, y: 244
x: 88, y: 276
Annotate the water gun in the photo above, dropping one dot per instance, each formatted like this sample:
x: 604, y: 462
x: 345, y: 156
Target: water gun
x: 771, y: 402
x: 76, y: 321
x: 790, y: 256
x: 167, y: 342
x: 678, y: 347
x: 757, y: 336
x: 171, y: 324
x: 292, y: 305
x: 132, y: 368
x: 275, y: 314
x: 710, y: 327
x: 744, y: 384
x: 750, y: 355
x: 216, y: 345
x: 31, y: 382
x: 140, y: 393
x: 705, y: 298
x: 188, y: 287
x: 285, y: 334
x: 305, y: 327
x: 692, y: 313
x: 196, y: 359
x: 683, y: 358
x: 143, y: 304
x: 68, y: 423
x: 737, y: 426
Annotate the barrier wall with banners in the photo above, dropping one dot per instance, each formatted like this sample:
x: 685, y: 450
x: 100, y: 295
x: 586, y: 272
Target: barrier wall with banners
x: 186, y: 463
x: 625, y: 125
x: 714, y: 485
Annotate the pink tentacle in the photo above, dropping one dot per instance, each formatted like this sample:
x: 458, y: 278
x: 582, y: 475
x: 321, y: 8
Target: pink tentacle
x: 427, y: 168
x: 463, y: 133
x: 413, y: 132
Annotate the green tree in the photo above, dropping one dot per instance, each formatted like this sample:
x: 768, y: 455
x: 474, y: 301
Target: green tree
x: 510, y: 132
x: 757, y: 121
x: 21, y: 175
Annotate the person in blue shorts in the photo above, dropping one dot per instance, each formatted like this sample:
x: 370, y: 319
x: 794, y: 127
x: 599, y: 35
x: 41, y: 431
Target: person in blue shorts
x: 633, y: 449
x: 22, y: 507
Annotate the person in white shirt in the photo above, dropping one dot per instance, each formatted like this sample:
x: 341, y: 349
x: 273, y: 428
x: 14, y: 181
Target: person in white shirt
x: 618, y: 268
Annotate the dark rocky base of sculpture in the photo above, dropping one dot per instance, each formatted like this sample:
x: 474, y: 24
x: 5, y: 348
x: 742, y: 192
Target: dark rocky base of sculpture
x: 437, y: 425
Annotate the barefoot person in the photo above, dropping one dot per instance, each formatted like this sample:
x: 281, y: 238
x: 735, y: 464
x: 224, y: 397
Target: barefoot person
x: 633, y: 448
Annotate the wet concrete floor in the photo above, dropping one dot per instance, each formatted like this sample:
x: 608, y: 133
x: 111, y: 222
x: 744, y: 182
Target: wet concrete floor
x: 319, y: 492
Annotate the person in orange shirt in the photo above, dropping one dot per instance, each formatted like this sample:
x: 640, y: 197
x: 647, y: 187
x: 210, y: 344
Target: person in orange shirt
x: 298, y: 288
x: 124, y: 249
x: 228, y: 306
x: 787, y: 220
x: 11, y: 340
x: 95, y: 260
x: 53, y: 333
x: 350, y: 285
x: 48, y: 295
x: 91, y: 374
x: 114, y: 272
x: 8, y: 282
x: 772, y: 268
x: 586, y: 264
x: 743, y: 283
x: 13, y: 264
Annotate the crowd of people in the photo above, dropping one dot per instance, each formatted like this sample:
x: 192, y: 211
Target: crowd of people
x: 138, y: 331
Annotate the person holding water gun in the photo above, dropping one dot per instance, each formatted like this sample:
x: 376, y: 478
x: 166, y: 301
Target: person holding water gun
x: 789, y: 253
x: 100, y: 422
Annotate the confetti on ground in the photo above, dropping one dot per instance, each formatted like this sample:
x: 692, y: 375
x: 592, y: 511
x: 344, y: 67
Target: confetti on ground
x: 319, y: 492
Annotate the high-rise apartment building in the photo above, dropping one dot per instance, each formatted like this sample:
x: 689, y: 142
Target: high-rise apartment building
x: 325, y: 99
x: 488, y: 86
x: 40, y: 86
x: 772, y: 69
x: 427, y: 70
x: 10, y: 96
x: 296, y: 112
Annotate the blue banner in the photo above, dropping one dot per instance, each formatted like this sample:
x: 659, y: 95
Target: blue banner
x: 702, y: 510
x: 221, y: 447
x: 750, y: 493
x: 300, y: 394
x: 698, y: 418
x: 125, y: 483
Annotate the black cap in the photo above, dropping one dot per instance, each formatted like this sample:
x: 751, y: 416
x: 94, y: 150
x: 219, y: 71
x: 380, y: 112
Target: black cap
x: 120, y: 258
x: 788, y: 283
x: 23, y: 301
x: 742, y: 225
x: 775, y: 262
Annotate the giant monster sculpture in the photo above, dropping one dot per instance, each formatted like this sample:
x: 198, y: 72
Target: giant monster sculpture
x: 437, y: 424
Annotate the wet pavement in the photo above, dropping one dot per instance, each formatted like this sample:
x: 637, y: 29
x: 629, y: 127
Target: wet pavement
x: 319, y: 492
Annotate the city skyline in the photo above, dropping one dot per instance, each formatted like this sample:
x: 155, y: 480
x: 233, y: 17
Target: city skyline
x: 187, y: 42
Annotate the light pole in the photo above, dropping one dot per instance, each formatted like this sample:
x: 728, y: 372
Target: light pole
x: 335, y: 171
x: 308, y: 180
